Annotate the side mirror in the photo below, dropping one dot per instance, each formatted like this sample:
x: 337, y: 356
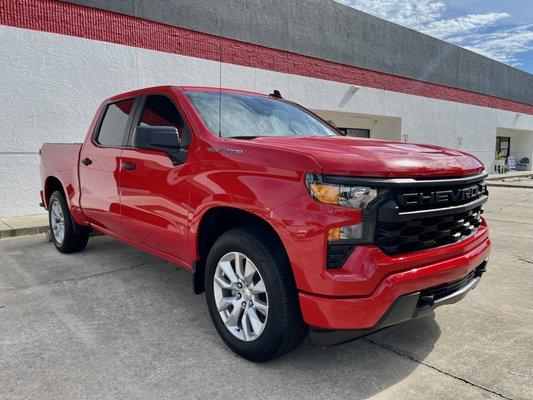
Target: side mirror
x: 160, y: 138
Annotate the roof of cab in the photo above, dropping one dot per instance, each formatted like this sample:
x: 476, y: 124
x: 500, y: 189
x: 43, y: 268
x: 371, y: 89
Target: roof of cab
x: 155, y: 89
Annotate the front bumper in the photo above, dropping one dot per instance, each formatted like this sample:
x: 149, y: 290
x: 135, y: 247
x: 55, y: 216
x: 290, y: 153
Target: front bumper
x: 406, y: 307
x: 407, y: 275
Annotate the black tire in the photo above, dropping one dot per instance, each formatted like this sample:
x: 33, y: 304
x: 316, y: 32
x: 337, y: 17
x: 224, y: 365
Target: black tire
x: 285, y: 328
x: 74, y: 240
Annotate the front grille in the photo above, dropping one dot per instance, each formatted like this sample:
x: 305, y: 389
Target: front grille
x: 425, y: 233
x: 419, y: 215
x: 337, y: 254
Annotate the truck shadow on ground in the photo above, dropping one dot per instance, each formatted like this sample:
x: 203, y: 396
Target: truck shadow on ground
x: 359, y: 369
x: 369, y: 365
x: 140, y: 319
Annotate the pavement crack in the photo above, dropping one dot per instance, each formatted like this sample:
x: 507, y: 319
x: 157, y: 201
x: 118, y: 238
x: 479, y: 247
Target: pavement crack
x: 525, y: 259
x: 81, y: 278
x: 448, y: 374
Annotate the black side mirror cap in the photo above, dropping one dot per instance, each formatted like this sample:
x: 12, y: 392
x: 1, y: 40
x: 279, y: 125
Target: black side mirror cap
x: 160, y: 138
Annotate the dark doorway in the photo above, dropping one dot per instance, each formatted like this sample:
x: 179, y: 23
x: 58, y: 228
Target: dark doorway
x: 503, y: 146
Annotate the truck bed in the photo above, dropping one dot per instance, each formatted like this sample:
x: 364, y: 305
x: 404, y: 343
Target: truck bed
x: 61, y: 160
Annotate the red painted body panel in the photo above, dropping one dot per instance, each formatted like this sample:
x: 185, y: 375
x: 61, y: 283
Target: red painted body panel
x: 159, y: 207
x: 365, y: 312
x: 155, y: 201
x: 372, y: 157
x: 99, y: 192
x: 61, y: 161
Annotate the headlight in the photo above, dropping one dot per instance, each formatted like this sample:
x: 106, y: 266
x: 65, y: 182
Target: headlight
x: 341, y: 195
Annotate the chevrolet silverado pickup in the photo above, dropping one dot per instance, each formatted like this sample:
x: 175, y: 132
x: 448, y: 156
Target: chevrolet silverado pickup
x: 289, y: 227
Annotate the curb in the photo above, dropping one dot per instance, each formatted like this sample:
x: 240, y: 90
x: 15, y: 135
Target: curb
x: 32, y: 230
x: 499, y: 177
x: 23, y: 225
x: 509, y: 185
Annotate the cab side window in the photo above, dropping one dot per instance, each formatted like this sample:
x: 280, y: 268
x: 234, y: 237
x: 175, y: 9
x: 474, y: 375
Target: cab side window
x: 159, y: 110
x: 113, y: 127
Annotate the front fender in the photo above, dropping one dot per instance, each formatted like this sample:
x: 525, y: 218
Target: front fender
x: 256, y: 191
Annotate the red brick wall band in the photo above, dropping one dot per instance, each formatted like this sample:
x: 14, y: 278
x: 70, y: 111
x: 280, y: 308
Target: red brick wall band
x: 73, y: 20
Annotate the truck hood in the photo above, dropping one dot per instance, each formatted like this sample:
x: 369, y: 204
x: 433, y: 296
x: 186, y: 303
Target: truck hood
x: 340, y: 155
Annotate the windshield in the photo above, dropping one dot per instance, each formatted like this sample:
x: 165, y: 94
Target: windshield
x: 245, y: 115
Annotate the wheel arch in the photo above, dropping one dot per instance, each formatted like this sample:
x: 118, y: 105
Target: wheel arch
x: 215, y: 222
x: 51, y: 185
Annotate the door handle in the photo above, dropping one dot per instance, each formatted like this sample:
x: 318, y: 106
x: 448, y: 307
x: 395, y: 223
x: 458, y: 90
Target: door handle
x: 128, y: 166
x: 86, y: 161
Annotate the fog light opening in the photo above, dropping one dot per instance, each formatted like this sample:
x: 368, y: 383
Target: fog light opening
x: 349, y: 232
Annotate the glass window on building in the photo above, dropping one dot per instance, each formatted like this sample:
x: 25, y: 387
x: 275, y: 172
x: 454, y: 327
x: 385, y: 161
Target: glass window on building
x: 355, y: 132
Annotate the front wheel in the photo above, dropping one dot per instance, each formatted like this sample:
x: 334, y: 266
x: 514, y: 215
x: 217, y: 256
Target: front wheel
x: 251, y: 294
x: 65, y: 237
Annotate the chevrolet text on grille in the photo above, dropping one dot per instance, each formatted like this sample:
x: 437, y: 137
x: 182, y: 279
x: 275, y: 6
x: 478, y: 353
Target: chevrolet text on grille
x: 442, y: 197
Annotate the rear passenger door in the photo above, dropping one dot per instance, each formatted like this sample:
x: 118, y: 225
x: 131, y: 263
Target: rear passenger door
x: 154, y: 192
x: 100, y: 165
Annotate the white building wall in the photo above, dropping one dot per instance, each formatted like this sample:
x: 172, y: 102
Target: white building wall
x: 51, y: 85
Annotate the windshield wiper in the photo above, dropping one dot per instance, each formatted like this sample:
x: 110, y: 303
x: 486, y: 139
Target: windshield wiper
x: 243, y: 137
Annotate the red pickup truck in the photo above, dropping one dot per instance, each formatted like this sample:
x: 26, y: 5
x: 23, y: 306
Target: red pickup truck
x: 289, y: 227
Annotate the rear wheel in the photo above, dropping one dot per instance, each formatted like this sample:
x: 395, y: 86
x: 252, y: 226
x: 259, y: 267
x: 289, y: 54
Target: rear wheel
x: 65, y: 237
x: 251, y: 295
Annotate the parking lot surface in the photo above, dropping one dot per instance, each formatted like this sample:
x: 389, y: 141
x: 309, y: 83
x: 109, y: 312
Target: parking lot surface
x: 115, y: 323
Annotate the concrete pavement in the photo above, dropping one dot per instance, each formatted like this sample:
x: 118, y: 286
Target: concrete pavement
x: 113, y: 322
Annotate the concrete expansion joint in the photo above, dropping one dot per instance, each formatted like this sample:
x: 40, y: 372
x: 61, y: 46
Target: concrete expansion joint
x: 525, y: 259
x: 82, y: 277
x: 448, y: 374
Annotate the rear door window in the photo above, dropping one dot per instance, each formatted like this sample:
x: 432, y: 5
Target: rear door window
x: 113, y: 127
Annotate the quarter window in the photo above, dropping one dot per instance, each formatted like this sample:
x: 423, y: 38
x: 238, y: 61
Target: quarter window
x: 113, y: 127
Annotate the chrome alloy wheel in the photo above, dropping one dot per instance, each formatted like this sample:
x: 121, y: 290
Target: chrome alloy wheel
x: 240, y: 296
x: 57, y: 220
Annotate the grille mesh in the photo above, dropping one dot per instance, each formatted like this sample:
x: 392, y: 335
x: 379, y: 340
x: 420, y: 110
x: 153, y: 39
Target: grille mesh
x: 411, y: 215
x: 424, y: 233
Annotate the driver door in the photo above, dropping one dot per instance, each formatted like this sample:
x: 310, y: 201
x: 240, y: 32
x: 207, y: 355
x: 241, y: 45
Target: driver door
x: 154, y: 193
